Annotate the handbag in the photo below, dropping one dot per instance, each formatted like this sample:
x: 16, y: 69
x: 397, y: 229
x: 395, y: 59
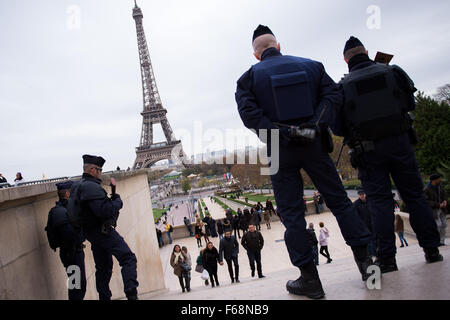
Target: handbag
x: 185, y: 267
x: 205, y: 275
x: 199, y: 268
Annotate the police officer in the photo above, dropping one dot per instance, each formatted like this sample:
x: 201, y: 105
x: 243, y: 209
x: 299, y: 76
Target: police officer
x: 375, y: 123
x: 99, y: 215
x: 61, y: 233
x: 290, y: 94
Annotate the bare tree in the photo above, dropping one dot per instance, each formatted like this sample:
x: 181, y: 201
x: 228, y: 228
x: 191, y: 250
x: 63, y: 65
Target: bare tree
x: 443, y: 94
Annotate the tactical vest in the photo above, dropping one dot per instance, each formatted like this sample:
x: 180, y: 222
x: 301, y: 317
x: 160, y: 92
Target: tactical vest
x: 375, y: 106
x: 284, y: 88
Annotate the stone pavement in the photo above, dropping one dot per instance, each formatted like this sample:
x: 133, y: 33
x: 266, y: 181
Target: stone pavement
x: 340, y: 278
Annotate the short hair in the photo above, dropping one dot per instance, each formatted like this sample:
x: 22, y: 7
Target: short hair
x: 88, y: 166
x: 62, y: 193
x: 263, y: 42
x: 350, y: 53
x: 321, y: 224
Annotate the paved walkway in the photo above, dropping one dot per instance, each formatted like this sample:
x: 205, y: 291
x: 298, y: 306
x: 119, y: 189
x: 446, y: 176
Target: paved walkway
x: 275, y: 259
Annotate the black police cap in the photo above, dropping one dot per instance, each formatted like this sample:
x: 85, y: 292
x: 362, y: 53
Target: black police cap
x: 260, y: 31
x: 64, y: 185
x: 435, y: 176
x: 98, y: 161
x: 352, y: 43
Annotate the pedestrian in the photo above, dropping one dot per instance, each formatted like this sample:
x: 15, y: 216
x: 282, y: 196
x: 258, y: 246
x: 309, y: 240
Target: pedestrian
x: 438, y: 201
x: 253, y: 242
x: 198, y: 233
x: 19, y: 179
x: 305, y: 204
x: 267, y: 219
x: 381, y: 148
x: 399, y: 228
x: 316, y: 201
x: 320, y: 202
x: 62, y: 234
x: 205, y: 235
x: 3, y: 179
x: 243, y: 221
x: 199, y: 268
x: 364, y: 213
x: 229, y: 249
x: 313, y: 242
x: 239, y: 213
x: 187, y: 223
x: 169, y: 229
x: 235, y: 226
x: 220, y: 228
x: 323, y: 239
x: 248, y: 217
x: 229, y: 214
x: 269, y: 207
x: 100, y: 214
x: 206, y: 225
x: 256, y: 218
x: 226, y: 225
x: 210, y: 258
x: 212, y: 227
x: 177, y: 259
x: 159, y: 237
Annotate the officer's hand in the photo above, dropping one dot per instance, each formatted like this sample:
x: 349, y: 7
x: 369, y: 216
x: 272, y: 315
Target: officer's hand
x: 115, y: 196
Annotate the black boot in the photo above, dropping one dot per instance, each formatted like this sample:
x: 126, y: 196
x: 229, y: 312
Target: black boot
x: 363, y: 260
x: 132, y: 294
x: 308, y: 284
x: 432, y: 255
x: 387, y: 264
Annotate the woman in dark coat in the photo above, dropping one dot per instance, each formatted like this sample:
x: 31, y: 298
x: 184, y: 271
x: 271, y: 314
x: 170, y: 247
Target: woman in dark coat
x: 210, y: 259
x: 220, y: 228
x: 176, y: 259
x: 198, y: 234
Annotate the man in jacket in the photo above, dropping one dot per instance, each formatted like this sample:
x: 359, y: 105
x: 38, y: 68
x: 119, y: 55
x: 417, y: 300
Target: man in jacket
x: 313, y: 242
x: 438, y: 200
x: 99, y: 216
x: 365, y: 215
x: 253, y: 242
x: 229, y: 249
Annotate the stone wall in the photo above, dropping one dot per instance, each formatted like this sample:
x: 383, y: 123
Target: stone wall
x: 29, y: 269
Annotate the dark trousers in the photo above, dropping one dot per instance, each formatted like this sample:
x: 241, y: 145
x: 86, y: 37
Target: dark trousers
x: 237, y: 232
x: 212, y: 270
x: 199, y: 241
x: 189, y: 229
x: 315, y: 252
x: 255, y: 256
x: 230, y: 262
x: 185, y: 280
x: 104, y: 247
x: 75, y: 258
x: 288, y: 188
x: 394, y: 157
x: 324, y: 252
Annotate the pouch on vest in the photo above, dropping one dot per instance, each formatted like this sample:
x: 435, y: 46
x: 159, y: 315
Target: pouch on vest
x: 374, y: 104
x: 292, y: 95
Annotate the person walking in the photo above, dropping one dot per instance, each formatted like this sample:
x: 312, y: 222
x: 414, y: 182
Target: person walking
x: 188, y: 263
x: 226, y: 225
x: 220, y: 228
x: 320, y: 202
x: 243, y: 222
x: 316, y: 201
x: 438, y: 201
x: 187, y: 223
x: 235, y: 225
x: 160, y: 238
x: 306, y: 205
x: 212, y: 227
x: 363, y: 211
x: 253, y: 242
x: 313, y: 242
x: 199, y: 268
x: 266, y: 215
x: 210, y: 258
x: 399, y: 229
x: 269, y: 207
x: 229, y: 249
x: 205, y: 234
x: 198, y: 234
x: 323, y: 239
x: 177, y: 259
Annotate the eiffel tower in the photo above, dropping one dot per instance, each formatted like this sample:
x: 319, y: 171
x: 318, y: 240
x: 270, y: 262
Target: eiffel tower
x: 148, y: 152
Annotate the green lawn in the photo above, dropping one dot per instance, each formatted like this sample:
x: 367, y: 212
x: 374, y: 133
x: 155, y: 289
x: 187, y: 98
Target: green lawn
x: 223, y: 205
x: 157, y: 213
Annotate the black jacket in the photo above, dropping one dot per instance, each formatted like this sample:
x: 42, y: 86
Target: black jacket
x: 252, y: 241
x: 228, y: 248
x: 312, y: 237
x: 363, y: 211
x: 219, y: 227
x: 210, y: 257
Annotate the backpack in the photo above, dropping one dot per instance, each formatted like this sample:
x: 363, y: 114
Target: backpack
x: 52, y: 236
x: 170, y: 228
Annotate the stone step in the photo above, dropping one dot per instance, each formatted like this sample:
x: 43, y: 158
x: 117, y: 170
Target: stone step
x: 341, y: 280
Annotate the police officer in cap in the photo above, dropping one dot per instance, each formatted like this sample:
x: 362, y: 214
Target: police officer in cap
x: 292, y: 94
x: 99, y: 215
x: 376, y: 125
x: 61, y: 233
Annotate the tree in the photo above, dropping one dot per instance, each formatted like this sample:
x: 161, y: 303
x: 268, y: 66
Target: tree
x: 443, y: 94
x: 445, y: 171
x: 432, y: 123
x: 185, y: 185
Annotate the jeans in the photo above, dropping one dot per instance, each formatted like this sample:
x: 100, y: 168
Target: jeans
x: 402, y: 238
x: 187, y: 280
x: 169, y: 236
x: 315, y: 252
x: 441, y: 222
x: 230, y: 262
x: 255, y: 256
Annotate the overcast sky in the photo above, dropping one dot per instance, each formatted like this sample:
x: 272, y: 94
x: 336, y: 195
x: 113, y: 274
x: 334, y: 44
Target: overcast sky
x: 69, y: 88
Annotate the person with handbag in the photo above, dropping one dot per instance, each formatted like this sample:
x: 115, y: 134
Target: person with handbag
x: 199, y: 267
x: 210, y: 259
x: 180, y: 267
x: 198, y: 234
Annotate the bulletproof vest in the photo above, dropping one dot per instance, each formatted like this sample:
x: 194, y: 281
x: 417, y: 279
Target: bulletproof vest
x: 56, y: 218
x: 374, y: 104
x: 284, y: 88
